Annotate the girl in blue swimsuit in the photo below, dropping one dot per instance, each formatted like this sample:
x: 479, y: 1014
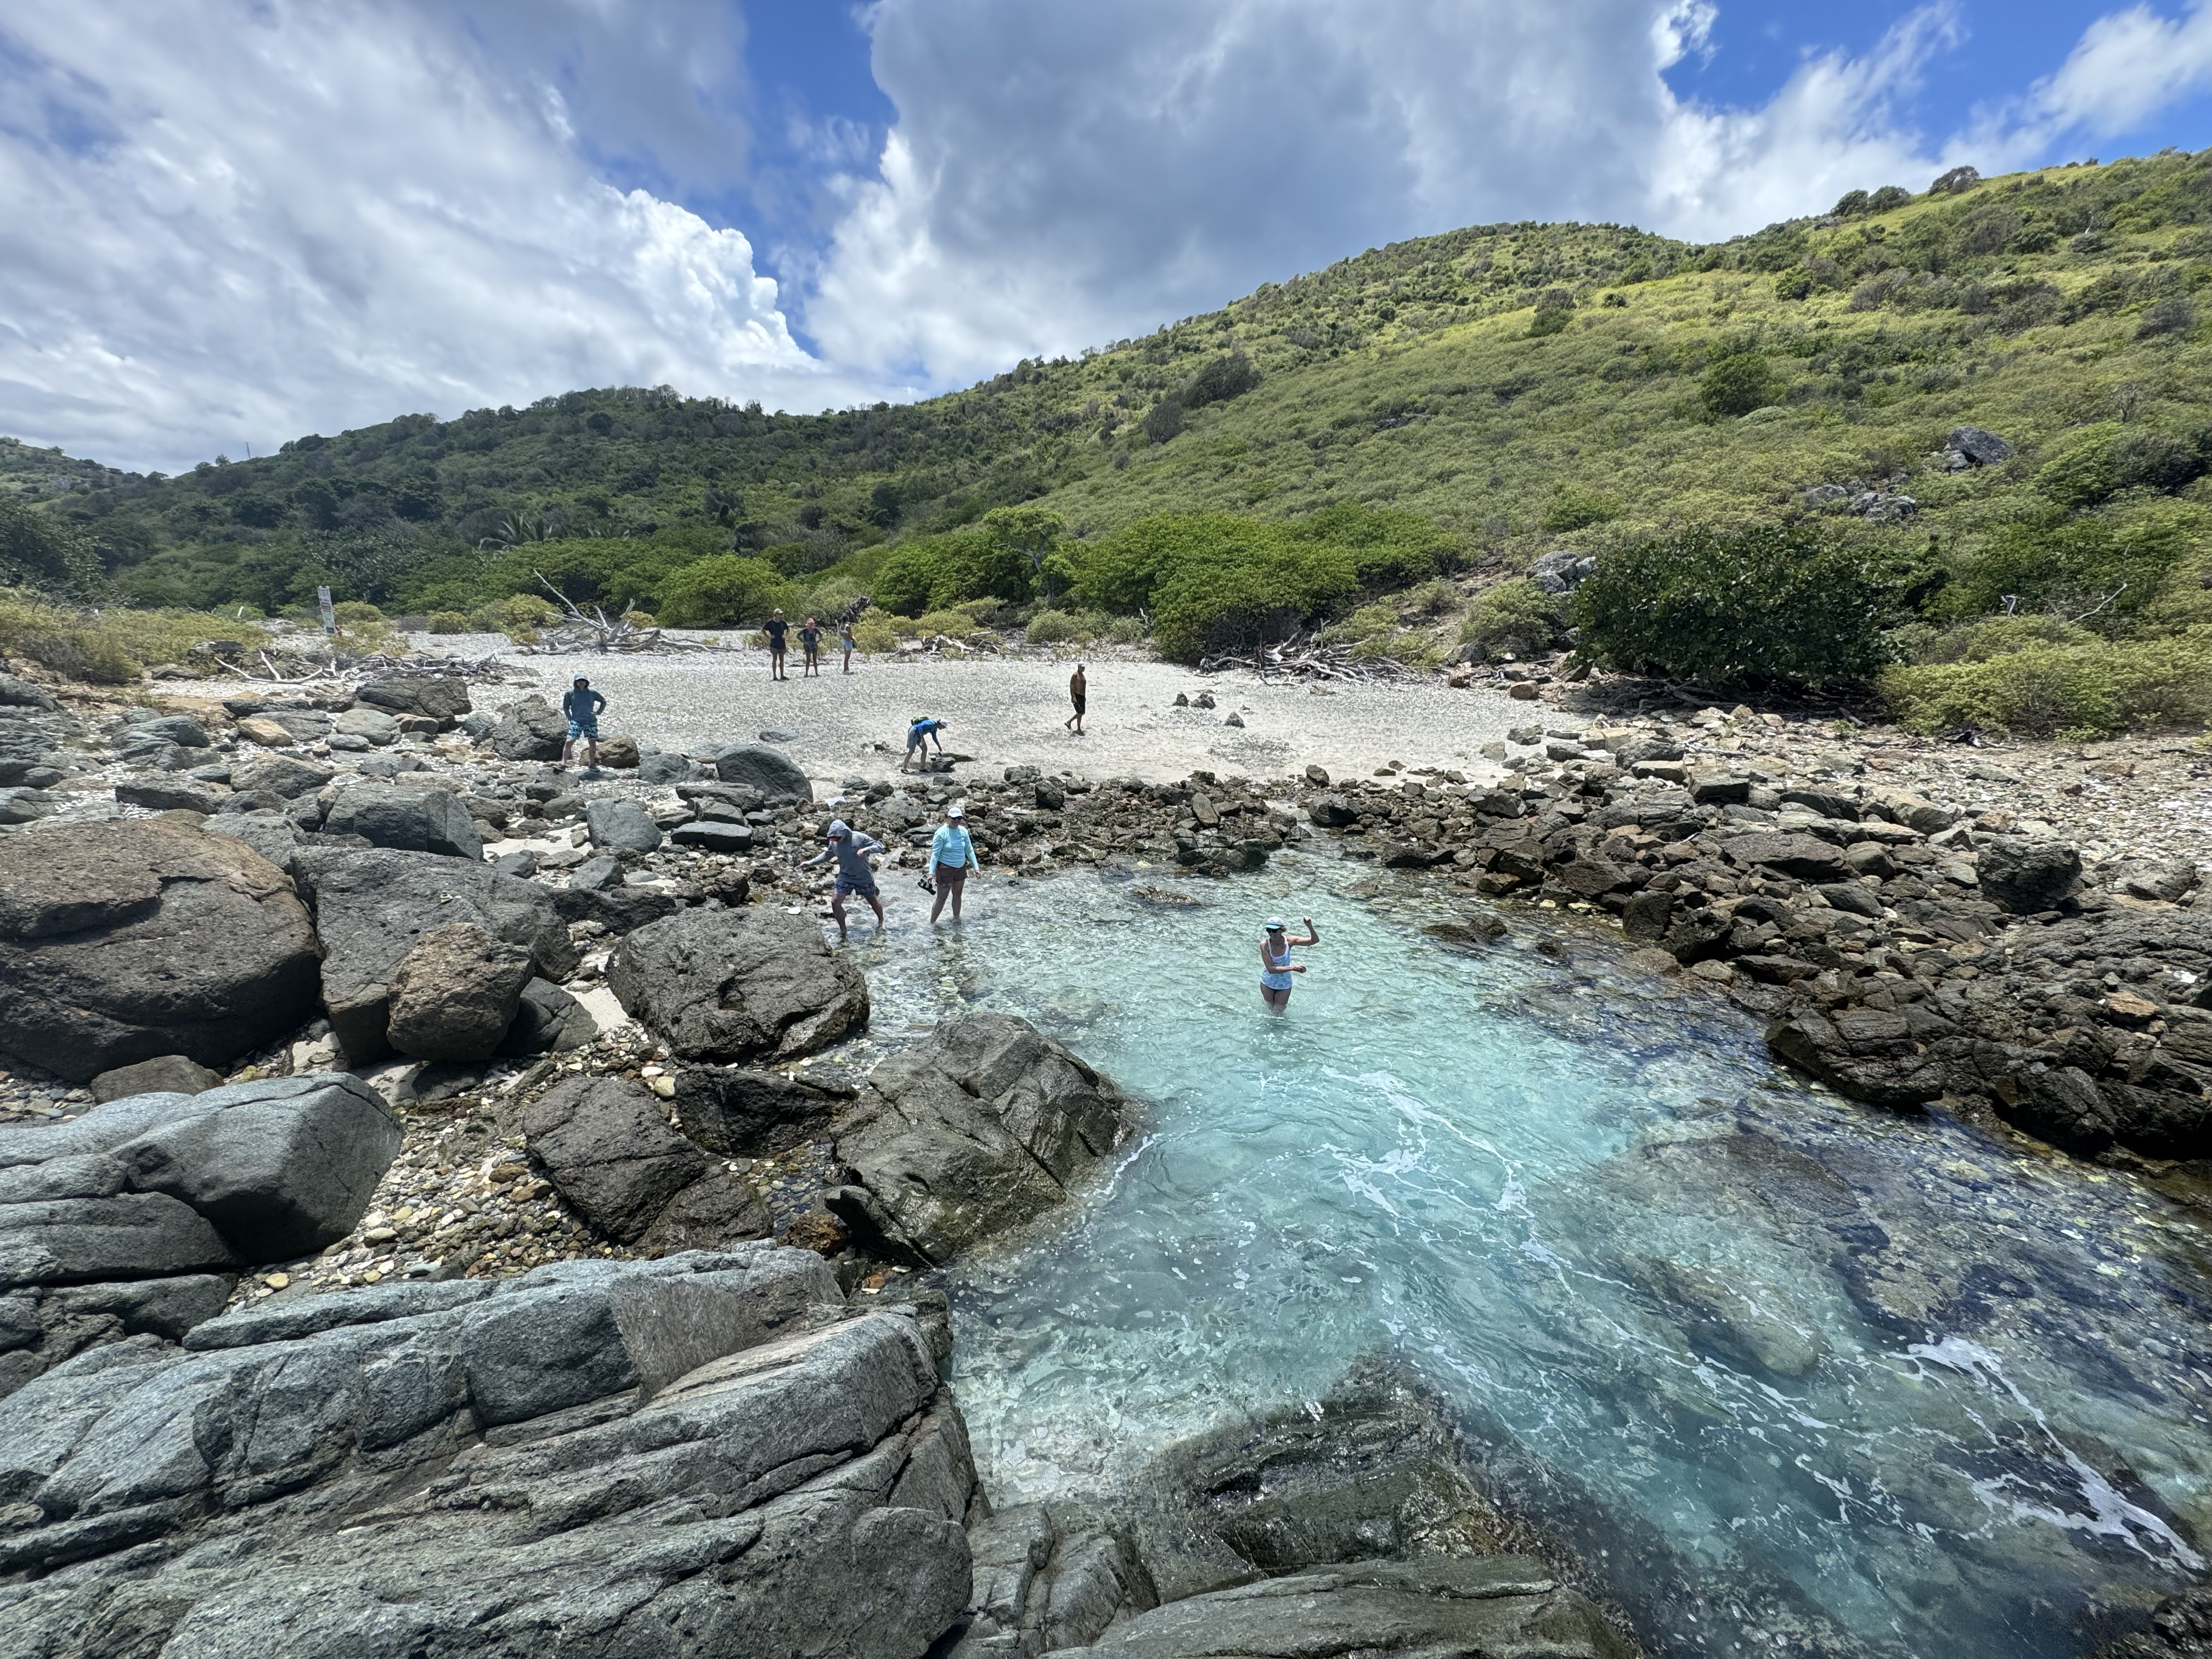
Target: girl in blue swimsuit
x: 1275, y: 965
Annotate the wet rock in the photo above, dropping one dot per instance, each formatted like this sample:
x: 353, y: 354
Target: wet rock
x: 530, y: 730
x: 604, y: 1145
x: 1719, y: 1318
x: 164, y: 1074
x: 734, y: 985
x: 434, y: 696
x: 547, y: 1020
x: 1876, y: 1055
x: 455, y: 994
x: 373, y: 905
x: 978, y: 1130
x: 714, y: 1213
x: 1646, y: 915
x: 1332, y: 812
x: 692, y: 1457
x: 164, y: 795
x: 754, y: 1113
x: 2025, y: 875
x: 1499, y: 1604
x: 762, y: 768
x: 1806, y: 857
x: 623, y: 824
x: 123, y: 941
x: 410, y: 819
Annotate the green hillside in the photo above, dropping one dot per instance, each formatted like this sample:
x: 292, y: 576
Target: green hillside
x: 1521, y: 388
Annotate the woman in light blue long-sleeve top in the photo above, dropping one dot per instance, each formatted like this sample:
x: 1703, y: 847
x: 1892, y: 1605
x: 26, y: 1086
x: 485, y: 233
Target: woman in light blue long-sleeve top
x: 952, y: 856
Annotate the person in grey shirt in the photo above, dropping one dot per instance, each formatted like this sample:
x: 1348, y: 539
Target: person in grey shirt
x: 855, y: 875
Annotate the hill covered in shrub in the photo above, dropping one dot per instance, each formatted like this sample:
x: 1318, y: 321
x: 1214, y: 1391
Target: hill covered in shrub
x: 1487, y: 397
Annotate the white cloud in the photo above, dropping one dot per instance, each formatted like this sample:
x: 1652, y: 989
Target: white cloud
x: 2128, y: 66
x: 230, y: 222
x: 1062, y: 175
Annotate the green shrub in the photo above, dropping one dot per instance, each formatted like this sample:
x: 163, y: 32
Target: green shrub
x: 109, y: 647
x: 2103, y: 566
x: 2075, y: 691
x: 1517, y: 615
x: 1431, y: 598
x: 517, y: 616
x: 1164, y: 420
x: 1387, y: 547
x: 1126, y: 630
x: 1225, y: 377
x: 448, y: 622
x: 1765, y: 604
x: 721, y: 591
x: 873, y: 635
x: 1577, y: 509
x: 1997, y: 636
x: 935, y: 573
x: 2107, y: 458
x: 1738, y: 384
x: 1212, y: 580
x: 1052, y: 628
x: 39, y: 551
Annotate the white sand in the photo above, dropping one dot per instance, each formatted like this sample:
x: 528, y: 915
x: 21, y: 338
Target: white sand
x: 1005, y: 712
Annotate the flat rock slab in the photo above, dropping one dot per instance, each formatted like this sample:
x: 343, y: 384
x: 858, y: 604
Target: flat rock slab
x: 737, y: 985
x: 604, y: 1145
x: 123, y: 941
x: 436, y: 696
x: 373, y: 905
x: 413, y: 820
x: 691, y: 1457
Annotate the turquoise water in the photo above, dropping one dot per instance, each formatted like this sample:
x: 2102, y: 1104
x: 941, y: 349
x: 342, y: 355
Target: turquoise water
x: 1939, y: 1395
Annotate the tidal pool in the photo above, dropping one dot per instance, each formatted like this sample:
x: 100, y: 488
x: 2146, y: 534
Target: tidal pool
x: 1792, y: 1375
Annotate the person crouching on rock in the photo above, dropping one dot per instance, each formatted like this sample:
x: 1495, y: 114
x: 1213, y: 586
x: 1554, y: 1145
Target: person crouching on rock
x: 1275, y: 965
x: 854, y: 875
x: 952, y: 856
x: 918, y: 735
x: 581, y: 705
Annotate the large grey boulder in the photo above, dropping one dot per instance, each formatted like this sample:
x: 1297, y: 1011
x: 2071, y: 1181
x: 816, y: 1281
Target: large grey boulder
x: 180, y: 729
x: 623, y: 824
x: 454, y: 995
x: 84, y: 1239
x: 19, y: 693
x: 742, y: 1113
x: 373, y: 905
x: 734, y: 985
x: 371, y: 725
x: 164, y: 1074
x: 412, y: 820
x: 979, y: 1130
x: 123, y: 941
x: 434, y: 696
x: 547, y: 1019
x: 1438, y: 1609
x: 765, y: 769
x: 279, y: 774
x: 693, y: 1457
x: 2025, y: 875
x: 274, y: 837
x: 604, y: 1145
x: 530, y: 730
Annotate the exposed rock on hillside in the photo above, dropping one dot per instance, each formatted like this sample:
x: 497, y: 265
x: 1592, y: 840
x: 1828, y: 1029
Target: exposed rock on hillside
x: 120, y: 942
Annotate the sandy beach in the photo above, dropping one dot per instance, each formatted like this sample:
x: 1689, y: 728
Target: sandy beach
x: 1006, y: 712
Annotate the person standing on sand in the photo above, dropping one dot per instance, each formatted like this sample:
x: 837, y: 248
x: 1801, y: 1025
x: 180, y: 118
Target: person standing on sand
x: 1078, y: 693
x: 917, y: 738
x: 854, y: 875
x: 844, y: 643
x: 952, y: 856
x: 776, y: 629
x: 1275, y: 965
x: 581, y: 706
x: 810, y: 646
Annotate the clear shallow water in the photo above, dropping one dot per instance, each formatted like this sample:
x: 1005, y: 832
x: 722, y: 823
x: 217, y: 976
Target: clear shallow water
x: 1795, y: 1376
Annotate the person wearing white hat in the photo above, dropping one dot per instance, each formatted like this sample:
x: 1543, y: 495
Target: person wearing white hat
x: 1275, y: 965
x: 855, y: 875
x: 952, y: 856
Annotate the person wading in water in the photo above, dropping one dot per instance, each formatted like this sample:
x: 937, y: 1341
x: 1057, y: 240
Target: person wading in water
x: 952, y: 856
x: 855, y: 877
x: 1078, y: 693
x: 1275, y: 965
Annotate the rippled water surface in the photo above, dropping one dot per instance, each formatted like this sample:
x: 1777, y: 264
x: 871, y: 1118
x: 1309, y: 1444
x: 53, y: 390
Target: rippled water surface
x: 1794, y: 1375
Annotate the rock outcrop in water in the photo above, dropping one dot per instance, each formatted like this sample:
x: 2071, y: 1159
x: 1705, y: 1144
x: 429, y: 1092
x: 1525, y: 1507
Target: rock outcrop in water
x: 703, y: 1455
x: 978, y: 1130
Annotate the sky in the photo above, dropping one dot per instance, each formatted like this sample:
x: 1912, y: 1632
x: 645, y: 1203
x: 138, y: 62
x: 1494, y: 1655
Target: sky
x: 224, y: 223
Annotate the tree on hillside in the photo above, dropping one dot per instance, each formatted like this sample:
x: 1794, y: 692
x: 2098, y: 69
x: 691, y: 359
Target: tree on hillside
x: 37, y: 551
x: 1738, y: 384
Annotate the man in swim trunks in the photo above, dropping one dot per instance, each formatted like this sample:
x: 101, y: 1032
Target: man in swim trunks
x: 581, y: 706
x: 775, y: 628
x: 1275, y: 965
x: 918, y: 735
x: 854, y: 875
x: 1078, y: 693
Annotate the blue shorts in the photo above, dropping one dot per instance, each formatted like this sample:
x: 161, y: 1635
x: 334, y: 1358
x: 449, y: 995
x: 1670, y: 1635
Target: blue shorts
x: 846, y: 887
x: 588, y: 730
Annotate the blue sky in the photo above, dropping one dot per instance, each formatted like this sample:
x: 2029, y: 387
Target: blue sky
x: 225, y: 223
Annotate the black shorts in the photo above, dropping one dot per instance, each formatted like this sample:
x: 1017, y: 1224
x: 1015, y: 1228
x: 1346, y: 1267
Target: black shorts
x: 1079, y: 703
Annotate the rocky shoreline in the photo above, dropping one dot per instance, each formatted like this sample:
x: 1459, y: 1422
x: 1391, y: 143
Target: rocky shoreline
x: 596, y: 1047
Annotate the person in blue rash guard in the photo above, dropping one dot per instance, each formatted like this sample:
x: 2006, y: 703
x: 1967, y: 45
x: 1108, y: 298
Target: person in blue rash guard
x: 855, y: 877
x: 581, y: 706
